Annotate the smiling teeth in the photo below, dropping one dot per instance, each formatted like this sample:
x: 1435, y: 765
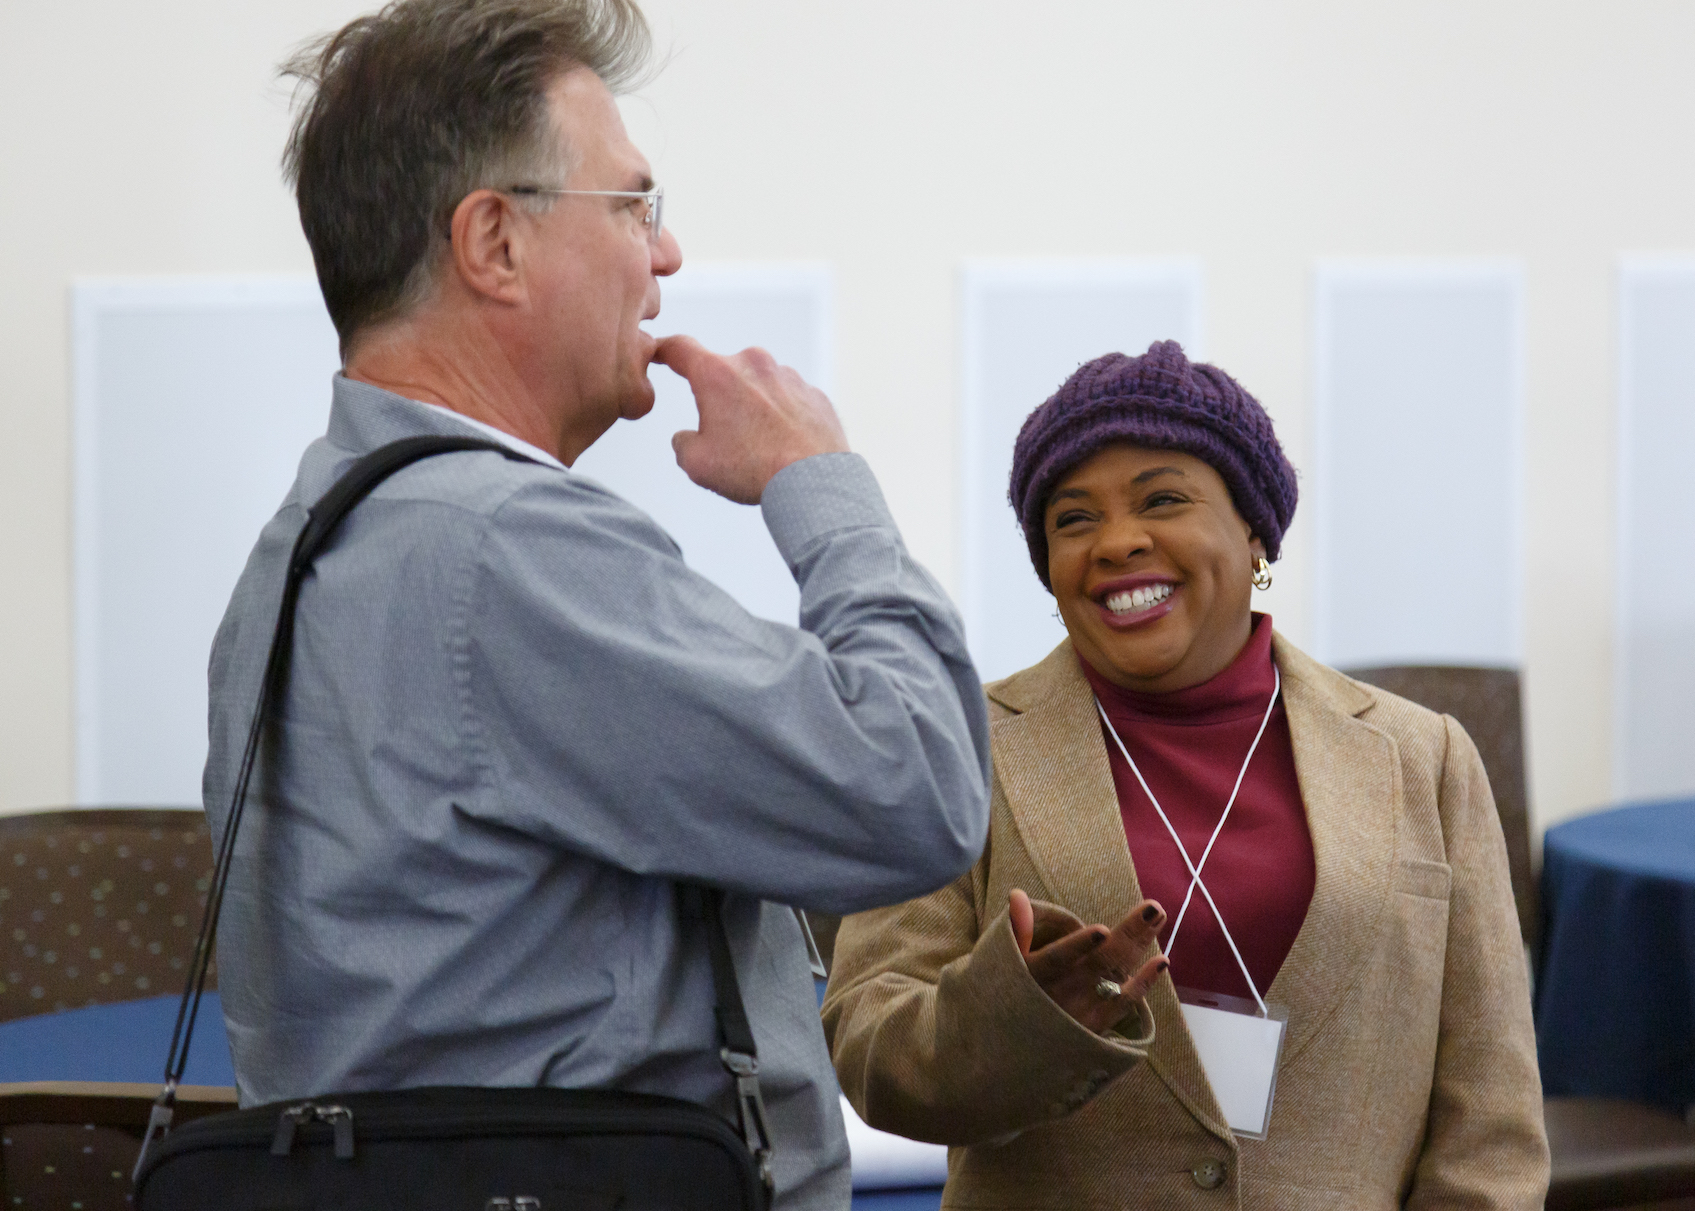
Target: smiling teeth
x: 1137, y: 600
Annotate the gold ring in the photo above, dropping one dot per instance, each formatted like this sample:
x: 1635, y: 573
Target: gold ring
x: 1109, y: 990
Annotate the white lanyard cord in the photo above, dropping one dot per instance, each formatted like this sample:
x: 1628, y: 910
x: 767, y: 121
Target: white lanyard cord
x: 1195, y: 871
x: 1277, y: 684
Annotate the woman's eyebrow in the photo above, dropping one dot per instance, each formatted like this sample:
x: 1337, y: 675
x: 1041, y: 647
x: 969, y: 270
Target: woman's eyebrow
x: 1068, y: 494
x: 1155, y: 472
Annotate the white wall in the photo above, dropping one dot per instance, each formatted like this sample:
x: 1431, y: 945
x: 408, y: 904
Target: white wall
x: 1656, y: 581
x: 174, y: 477
x: 1418, y: 464
x: 894, y: 140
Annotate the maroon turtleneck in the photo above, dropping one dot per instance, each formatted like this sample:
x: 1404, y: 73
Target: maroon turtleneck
x: 1189, y: 745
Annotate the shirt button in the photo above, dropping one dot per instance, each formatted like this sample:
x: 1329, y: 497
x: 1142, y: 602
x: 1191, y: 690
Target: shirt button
x: 1208, y: 1173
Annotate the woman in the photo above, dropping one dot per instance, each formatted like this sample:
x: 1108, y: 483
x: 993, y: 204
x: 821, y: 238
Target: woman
x: 1352, y: 875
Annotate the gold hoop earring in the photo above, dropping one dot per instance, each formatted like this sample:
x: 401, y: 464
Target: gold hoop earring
x: 1262, y: 573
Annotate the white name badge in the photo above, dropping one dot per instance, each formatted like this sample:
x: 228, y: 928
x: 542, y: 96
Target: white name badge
x: 1239, y: 1051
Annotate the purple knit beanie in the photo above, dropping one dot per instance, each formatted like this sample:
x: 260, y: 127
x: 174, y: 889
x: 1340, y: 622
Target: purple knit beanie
x: 1162, y: 401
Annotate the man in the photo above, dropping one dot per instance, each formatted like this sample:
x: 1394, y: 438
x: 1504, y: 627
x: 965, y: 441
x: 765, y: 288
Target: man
x: 513, y: 715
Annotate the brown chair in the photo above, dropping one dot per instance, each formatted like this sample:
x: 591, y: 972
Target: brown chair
x: 96, y: 907
x: 99, y: 905
x: 73, y: 1143
x: 1488, y: 705
x: 1607, y: 1155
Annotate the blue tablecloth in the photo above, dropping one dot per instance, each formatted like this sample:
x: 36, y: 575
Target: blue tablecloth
x: 1615, y: 998
x: 127, y: 1041
x: 898, y: 1200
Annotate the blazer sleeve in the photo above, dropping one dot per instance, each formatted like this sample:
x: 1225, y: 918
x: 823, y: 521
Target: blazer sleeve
x: 1485, y: 1145
x: 939, y: 1033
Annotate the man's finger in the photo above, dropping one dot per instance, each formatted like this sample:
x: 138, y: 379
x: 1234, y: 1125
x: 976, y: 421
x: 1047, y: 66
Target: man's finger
x: 681, y: 353
x: 682, y: 445
x: 763, y: 365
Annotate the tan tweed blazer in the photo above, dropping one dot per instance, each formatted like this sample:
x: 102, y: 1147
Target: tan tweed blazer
x: 1408, y: 1075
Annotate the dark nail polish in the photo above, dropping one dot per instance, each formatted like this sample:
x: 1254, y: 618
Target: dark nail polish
x: 1098, y: 936
x: 1164, y: 966
x: 1150, y: 913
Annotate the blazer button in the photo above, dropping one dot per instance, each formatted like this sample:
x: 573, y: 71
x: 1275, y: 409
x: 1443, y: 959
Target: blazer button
x: 1208, y: 1173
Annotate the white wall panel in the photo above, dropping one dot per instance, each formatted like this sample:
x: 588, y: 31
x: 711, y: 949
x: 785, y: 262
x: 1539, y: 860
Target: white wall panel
x: 194, y: 400
x: 1026, y: 325
x: 1655, y: 710
x: 1417, y: 485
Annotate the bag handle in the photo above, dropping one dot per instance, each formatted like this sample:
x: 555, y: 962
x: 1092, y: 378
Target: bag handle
x: 737, y: 1049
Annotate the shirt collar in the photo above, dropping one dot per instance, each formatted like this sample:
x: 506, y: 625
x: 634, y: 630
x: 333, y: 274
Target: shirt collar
x: 364, y: 416
x: 500, y: 435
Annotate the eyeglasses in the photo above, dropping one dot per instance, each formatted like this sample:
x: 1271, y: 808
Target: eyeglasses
x: 652, y: 216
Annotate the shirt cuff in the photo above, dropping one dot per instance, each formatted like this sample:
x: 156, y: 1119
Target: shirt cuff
x: 814, y: 496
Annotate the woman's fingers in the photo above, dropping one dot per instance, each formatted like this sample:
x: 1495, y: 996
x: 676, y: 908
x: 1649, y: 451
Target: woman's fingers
x: 1123, y: 949
x: 1023, y: 916
x: 1137, y: 988
x: 1100, y: 1013
x: 1071, y: 970
x: 1055, y: 962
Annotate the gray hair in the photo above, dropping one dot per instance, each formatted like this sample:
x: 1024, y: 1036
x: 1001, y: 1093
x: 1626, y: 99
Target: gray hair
x: 410, y: 109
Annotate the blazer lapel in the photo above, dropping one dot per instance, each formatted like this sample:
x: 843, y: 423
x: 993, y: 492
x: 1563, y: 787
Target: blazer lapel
x: 1052, y: 765
x: 1349, y: 774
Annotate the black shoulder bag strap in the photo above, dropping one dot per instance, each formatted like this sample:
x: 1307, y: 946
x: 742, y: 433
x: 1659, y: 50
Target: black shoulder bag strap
x: 736, y: 1047
x: 737, y: 1050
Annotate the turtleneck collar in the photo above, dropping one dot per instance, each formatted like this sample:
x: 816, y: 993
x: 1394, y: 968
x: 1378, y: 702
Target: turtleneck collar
x: 1240, y: 691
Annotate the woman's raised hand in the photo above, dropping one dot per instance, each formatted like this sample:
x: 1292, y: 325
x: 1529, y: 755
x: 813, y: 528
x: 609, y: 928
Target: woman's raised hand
x: 1070, y: 969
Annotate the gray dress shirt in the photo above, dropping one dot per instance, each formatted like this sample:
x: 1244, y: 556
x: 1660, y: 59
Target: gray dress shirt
x: 514, y: 716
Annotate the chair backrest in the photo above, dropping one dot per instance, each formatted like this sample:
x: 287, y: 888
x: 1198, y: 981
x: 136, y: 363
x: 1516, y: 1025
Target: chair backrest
x: 1489, y: 705
x: 99, y: 905
x: 73, y: 1143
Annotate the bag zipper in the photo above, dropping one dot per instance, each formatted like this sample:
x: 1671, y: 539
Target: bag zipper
x: 339, y: 1117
